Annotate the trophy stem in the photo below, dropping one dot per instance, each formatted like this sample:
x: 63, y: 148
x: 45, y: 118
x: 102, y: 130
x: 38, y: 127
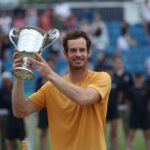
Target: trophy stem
x: 25, y: 62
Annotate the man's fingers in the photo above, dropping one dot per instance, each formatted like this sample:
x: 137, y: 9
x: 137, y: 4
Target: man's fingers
x: 17, y: 64
x: 15, y: 54
x: 39, y: 57
x: 18, y: 60
x: 33, y: 61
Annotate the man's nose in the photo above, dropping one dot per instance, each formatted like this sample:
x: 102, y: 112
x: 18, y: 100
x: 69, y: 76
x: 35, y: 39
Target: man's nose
x: 78, y: 53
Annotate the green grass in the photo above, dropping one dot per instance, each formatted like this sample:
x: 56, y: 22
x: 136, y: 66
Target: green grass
x: 138, y: 142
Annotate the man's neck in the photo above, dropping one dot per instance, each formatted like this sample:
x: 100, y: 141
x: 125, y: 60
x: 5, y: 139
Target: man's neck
x: 139, y: 85
x: 120, y: 71
x: 77, y: 75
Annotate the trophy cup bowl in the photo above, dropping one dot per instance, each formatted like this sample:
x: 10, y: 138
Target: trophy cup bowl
x: 29, y: 40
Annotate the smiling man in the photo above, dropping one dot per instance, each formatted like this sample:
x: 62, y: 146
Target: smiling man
x: 76, y: 104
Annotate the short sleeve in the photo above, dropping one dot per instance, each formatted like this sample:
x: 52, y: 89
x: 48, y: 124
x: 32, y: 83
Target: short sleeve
x: 39, y: 98
x: 102, y: 83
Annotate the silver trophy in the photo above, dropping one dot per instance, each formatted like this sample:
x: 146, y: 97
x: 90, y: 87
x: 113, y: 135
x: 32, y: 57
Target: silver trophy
x: 29, y: 40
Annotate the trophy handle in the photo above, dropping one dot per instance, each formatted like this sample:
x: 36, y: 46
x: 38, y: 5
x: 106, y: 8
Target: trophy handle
x: 53, y: 35
x: 11, y: 35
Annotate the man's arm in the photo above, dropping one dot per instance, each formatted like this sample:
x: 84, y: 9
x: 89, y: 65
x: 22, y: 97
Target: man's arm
x: 82, y: 96
x: 21, y: 107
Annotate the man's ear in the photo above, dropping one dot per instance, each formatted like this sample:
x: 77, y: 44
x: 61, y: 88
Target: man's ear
x: 65, y: 54
x: 89, y: 52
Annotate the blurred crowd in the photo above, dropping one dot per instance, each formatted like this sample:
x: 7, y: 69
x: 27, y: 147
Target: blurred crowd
x: 129, y: 99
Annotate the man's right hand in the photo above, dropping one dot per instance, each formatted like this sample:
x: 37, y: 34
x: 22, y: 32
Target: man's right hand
x: 17, y: 61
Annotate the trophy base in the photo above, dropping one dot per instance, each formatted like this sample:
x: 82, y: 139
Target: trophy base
x: 23, y: 73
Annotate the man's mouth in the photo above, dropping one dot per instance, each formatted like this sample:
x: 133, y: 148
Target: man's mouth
x: 78, y: 60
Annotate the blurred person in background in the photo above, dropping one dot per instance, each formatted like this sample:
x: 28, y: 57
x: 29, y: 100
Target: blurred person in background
x: 99, y: 37
x: 147, y: 66
x: 1, y: 70
x: 13, y: 127
x: 5, y: 26
x: 112, y: 111
x: 5, y: 23
x: 31, y: 16
x: 125, y: 80
x: 147, y: 76
x: 42, y: 115
x: 71, y: 22
x: 2, y: 39
x: 5, y: 104
x: 62, y: 10
x: 102, y: 60
x: 85, y: 26
x: 124, y: 41
x: 46, y: 19
x: 138, y: 100
x: 99, y: 31
x: 19, y: 15
x: 76, y: 104
x: 145, y: 14
x: 5, y: 45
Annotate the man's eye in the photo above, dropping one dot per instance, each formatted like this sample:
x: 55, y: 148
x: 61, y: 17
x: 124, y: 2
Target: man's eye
x: 82, y: 50
x: 73, y: 50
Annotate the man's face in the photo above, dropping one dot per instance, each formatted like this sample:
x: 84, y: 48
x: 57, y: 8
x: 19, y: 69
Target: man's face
x: 77, y: 54
x: 140, y: 80
x: 119, y: 64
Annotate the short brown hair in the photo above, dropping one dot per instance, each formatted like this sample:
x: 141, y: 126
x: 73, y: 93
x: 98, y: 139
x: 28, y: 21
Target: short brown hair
x: 75, y: 34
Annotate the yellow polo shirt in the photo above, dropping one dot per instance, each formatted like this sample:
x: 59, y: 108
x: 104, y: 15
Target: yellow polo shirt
x: 74, y: 127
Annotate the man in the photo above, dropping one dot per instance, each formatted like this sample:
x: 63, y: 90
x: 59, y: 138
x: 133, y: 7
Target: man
x: 112, y: 113
x: 13, y: 127
x: 4, y: 107
x: 138, y: 99
x: 126, y: 81
x: 76, y: 104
